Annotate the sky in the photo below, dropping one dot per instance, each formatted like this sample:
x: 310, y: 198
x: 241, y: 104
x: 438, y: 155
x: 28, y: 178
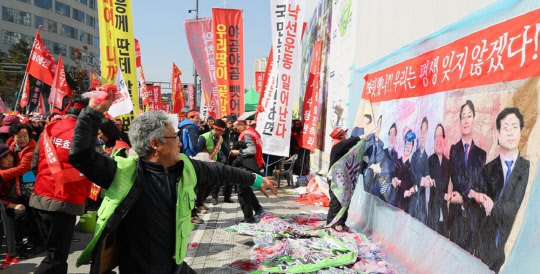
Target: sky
x: 159, y: 27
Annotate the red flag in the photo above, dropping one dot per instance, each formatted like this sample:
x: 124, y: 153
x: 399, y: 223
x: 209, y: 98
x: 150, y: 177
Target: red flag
x: 41, y: 105
x: 2, y: 106
x: 59, y: 87
x: 177, y: 91
x: 311, y: 102
x: 265, y: 80
x: 94, y: 80
x: 26, y: 92
x: 144, y: 89
x: 137, y: 53
x: 41, y: 63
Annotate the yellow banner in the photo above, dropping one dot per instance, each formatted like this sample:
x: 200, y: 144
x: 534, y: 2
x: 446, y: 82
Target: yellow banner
x: 118, y: 48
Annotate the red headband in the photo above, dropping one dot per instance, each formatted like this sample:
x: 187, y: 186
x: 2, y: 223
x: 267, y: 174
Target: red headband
x: 218, y: 128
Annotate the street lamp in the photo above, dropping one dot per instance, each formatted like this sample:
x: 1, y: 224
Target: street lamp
x: 196, y: 10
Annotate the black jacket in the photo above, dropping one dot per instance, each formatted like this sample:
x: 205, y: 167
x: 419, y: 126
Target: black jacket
x: 101, y: 170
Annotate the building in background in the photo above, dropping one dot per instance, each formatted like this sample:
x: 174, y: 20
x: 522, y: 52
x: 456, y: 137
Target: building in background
x: 65, y: 25
x: 260, y: 64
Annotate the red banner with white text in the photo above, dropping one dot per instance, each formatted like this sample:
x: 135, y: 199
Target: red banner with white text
x: 310, y: 109
x: 480, y: 58
x: 259, y: 81
x: 191, y: 96
x: 201, y: 45
x: 154, y: 97
x: 41, y: 63
x: 228, y: 31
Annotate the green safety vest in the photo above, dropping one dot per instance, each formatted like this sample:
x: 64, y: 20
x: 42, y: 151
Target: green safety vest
x: 123, y: 181
x: 209, y: 137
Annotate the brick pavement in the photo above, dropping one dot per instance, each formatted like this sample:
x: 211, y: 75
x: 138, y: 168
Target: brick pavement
x: 217, y: 248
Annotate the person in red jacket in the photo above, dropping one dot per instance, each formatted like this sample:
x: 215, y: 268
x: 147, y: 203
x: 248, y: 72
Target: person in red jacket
x: 23, y: 150
x: 60, y: 190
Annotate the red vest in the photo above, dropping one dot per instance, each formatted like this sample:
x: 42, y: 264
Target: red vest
x: 75, y: 190
x: 256, y: 137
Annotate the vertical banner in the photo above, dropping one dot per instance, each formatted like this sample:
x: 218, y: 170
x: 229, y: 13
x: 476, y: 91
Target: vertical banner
x: 34, y: 98
x: 166, y: 107
x: 178, y: 96
x: 191, y: 96
x: 118, y: 48
x: 203, y: 107
x: 276, y: 128
x: 41, y: 63
x: 154, y: 97
x: 259, y: 81
x: 265, y: 90
x: 266, y: 109
x: 144, y: 89
x: 310, y: 109
x: 201, y: 45
x: 228, y: 30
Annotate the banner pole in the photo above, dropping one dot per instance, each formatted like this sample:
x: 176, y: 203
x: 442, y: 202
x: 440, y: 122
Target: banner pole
x: 302, y: 167
x: 20, y: 91
x: 267, y: 160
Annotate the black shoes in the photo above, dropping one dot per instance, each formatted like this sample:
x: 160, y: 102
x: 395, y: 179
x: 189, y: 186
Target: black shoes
x: 27, y: 252
x: 215, y: 201
x: 228, y: 200
x: 251, y: 220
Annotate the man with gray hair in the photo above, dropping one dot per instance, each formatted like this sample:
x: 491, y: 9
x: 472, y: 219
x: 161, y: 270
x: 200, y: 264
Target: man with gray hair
x: 146, y: 209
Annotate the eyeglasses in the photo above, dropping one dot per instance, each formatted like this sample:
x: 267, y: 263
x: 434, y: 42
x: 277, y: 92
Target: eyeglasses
x: 172, y: 137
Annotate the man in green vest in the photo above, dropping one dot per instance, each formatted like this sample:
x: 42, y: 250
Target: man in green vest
x: 144, y: 222
x: 213, y: 143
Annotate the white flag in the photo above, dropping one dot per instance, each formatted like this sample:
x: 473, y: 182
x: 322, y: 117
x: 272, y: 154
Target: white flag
x: 123, y: 104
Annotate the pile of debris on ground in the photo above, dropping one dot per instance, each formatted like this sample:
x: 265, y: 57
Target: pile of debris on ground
x: 300, y: 244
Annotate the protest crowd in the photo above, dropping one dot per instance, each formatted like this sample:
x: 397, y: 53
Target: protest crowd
x: 411, y: 159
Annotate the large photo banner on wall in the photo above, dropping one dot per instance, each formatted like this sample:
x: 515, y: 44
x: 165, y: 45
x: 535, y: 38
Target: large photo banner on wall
x: 454, y: 138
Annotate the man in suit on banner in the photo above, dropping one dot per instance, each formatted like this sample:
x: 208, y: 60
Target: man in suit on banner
x: 505, y: 180
x: 466, y: 166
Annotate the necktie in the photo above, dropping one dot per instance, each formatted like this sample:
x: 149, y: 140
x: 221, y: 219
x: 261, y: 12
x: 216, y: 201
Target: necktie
x: 509, y: 166
x: 466, y: 154
x: 375, y: 152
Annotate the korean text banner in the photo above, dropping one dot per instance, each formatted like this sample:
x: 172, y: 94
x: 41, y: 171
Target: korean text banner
x: 201, y: 46
x: 228, y: 32
x: 191, y: 96
x: 275, y: 128
x: 310, y: 108
x: 502, y: 52
x: 118, y: 47
x: 259, y: 81
x: 455, y: 143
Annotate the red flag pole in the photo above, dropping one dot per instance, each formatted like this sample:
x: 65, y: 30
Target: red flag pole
x: 21, y: 90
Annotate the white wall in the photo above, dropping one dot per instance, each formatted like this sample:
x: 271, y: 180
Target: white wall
x: 387, y: 25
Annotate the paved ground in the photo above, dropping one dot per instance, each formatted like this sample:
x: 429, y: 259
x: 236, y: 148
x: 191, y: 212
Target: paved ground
x: 217, y: 248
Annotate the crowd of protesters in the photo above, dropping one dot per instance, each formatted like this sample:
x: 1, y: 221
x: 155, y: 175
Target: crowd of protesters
x: 50, y: 164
